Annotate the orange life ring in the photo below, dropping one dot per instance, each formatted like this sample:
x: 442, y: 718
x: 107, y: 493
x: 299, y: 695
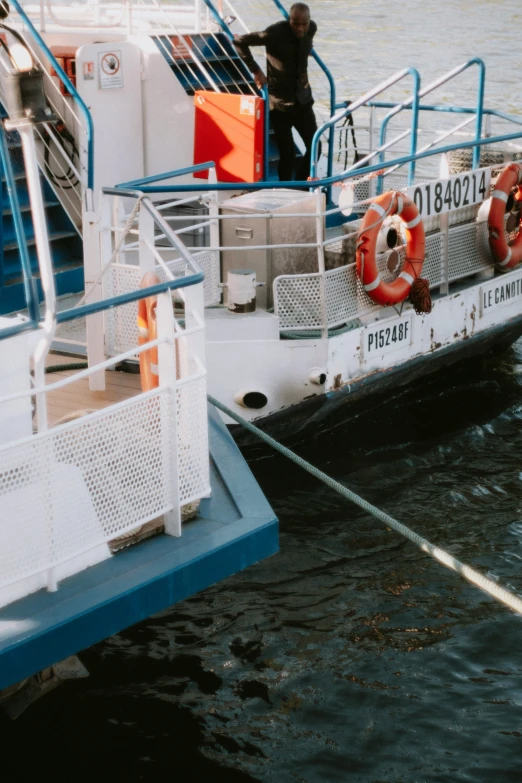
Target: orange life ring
x: 505, y: 256
x: 147, y: 331
x: 391, y: 203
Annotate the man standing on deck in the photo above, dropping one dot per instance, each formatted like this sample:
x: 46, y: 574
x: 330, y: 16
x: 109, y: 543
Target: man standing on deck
x: 288, y: 45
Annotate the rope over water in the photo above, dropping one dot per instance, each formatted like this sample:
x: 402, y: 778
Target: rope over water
x: 474, y: 577
x: 499, y: 593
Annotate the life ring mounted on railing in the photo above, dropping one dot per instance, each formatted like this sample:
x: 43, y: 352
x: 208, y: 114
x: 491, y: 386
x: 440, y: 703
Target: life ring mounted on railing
x: 506, y: 255
x: 147, y: 331
x: 391, y: 203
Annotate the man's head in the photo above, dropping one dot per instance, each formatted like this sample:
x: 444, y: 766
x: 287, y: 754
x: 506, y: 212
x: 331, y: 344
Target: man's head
x: 299, y: 19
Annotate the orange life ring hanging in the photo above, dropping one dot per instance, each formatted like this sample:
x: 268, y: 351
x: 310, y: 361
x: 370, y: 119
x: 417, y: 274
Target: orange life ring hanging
x: 505, y: 256
x: 391, y: 203
x: 147, y: 331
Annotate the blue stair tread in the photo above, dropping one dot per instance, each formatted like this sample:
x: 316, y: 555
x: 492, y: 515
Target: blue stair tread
x: 16, y: 176
x: 26, y: 207
x: 55, y: 235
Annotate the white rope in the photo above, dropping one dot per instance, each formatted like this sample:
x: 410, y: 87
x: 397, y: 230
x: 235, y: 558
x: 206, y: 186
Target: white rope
x: 496, y: 591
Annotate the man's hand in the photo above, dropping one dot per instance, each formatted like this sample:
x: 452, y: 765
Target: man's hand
x: 260, y: 78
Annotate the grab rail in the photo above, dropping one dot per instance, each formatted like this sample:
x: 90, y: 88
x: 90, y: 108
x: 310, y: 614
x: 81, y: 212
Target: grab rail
x: 29, y: 281
x: 70, y: 88
x: 397, y: 77
x: 414, y: 103
x: 319, y: 183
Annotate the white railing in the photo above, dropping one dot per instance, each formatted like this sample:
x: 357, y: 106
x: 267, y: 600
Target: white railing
x: 68, y: 491
x: 327, y: 296
x: 63, y: 155
x: 140, y: 243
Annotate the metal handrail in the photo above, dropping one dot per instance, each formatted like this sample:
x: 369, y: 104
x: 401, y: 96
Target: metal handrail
x: 420, y: 93
x: 70, y: 88
x: 115, y: 301
x: 397, y: 77
x: 319, y: 183
x: 29, y: 281
x: 230, y: 35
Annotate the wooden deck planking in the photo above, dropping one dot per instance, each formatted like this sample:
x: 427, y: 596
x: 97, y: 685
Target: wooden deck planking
x: 77, y: 396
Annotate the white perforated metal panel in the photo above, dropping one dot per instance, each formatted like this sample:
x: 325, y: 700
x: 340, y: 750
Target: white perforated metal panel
x: 70, y: 489
x: 121, y: 322
x: 467, y: 250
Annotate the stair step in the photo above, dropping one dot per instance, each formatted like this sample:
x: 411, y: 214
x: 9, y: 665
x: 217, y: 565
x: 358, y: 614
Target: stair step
x: 32, y: 241
x: 195, y: 80
x: 26, y: 207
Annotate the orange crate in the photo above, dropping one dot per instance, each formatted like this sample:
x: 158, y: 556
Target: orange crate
x: 229, y: 130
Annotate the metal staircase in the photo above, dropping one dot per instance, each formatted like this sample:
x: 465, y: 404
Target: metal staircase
x: 65, y: 240
x: 64, y: 151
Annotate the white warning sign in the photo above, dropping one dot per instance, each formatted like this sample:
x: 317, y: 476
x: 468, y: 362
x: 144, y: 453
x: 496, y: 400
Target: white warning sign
x: 247, y: 105
x: 110, y: 70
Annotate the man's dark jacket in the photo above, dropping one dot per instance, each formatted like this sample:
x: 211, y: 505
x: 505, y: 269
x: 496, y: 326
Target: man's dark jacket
x: 287, y: 63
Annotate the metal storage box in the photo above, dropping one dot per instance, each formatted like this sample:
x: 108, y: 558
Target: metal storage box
x: 246, y: 232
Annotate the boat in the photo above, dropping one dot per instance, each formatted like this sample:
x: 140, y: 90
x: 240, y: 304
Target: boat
x: 114, y: 505
x: 308, y: 285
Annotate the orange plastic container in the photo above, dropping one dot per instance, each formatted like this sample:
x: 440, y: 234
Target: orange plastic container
x: 229, y: 131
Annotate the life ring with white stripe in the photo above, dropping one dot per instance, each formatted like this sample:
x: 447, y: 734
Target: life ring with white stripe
x: 147, y: 331
x: 505, y: 255
x: 391, y: 203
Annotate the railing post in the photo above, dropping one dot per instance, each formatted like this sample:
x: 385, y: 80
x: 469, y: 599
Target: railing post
x: 197, y: 11
x: 194, y: 315
x: 97, y: 247
x: 444, y: 230
x: 319, y: 228
x: 169, y: 426
x: 213, y: 211
x: 480, y: 109
x: 146, y: 230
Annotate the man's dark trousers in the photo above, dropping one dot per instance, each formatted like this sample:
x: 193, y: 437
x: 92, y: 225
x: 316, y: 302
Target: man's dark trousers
x: 302, y: 118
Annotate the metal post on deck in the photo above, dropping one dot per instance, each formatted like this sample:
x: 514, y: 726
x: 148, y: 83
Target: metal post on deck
x: 169, y: 423
x: 213, y: 212
x: 444, y: 230
x: 97, y: 246
x: 146, y: 233
x: 319, y: 228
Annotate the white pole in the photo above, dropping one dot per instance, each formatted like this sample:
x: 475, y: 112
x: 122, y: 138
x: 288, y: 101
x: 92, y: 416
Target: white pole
x: 319, y: 226
x: 92, y: 266
x: 169, y: 427
x: 25, y: 130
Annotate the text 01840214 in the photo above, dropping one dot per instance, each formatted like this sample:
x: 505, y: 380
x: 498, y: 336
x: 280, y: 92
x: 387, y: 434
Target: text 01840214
x: 444, y: 195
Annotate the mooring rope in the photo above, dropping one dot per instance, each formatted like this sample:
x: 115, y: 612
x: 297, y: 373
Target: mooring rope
x: 494, y: 590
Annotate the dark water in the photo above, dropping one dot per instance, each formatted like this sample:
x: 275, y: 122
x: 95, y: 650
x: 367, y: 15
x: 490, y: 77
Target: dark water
x: 348, y: 656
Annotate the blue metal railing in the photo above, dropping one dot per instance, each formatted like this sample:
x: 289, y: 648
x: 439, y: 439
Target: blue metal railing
x: 68, y: 84
x: 31, y: 295
x: 106, y: 304
x: 397, y: 77
x: 413, y: 103
x: 145, y: 187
